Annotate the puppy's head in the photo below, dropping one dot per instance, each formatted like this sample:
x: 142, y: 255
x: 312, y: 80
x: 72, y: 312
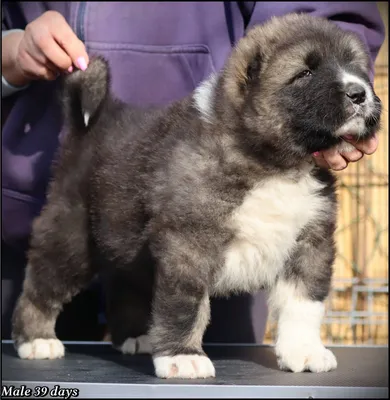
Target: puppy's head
x: 301, y: 83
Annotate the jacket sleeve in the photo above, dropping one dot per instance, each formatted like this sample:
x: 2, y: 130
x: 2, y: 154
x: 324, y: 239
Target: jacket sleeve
x: 4, y: 25
x: 6, y: 88
x: 363, y: 18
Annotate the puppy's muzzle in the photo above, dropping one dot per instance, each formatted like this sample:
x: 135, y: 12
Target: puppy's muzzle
x: 361, y: 107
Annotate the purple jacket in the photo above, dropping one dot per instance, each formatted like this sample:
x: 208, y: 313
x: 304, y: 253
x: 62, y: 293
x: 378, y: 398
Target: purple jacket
x: 159, y: 52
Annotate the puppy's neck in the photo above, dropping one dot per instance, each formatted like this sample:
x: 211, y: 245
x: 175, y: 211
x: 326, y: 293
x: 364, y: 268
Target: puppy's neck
x: 258, y: 163
x: 220, y: 116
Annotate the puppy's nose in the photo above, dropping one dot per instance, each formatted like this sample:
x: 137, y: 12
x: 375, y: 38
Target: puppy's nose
x: 356, y: 93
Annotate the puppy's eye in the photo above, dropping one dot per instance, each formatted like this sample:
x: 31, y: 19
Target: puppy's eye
x: 304, y: 74
x: 300, y: 77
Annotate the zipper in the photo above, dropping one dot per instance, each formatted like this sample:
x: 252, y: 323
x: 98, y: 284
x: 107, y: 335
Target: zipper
x: 80, y: 21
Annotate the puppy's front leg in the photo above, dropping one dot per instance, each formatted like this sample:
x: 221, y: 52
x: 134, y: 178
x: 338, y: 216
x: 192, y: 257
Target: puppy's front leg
x: 297, y: 300
x: 180, y: 314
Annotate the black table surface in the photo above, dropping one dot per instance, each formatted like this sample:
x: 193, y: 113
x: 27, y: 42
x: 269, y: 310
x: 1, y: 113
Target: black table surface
x: 242, y: 371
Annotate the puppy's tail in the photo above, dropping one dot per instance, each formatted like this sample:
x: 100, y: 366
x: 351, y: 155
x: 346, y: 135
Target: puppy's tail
x: 84, y: 94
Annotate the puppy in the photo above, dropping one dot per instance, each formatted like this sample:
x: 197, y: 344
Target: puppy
x: 219, y: 188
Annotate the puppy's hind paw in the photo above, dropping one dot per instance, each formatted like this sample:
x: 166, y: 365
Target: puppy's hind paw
x: 138, y: 345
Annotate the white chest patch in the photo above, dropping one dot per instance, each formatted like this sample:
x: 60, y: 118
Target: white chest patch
x: 267, y: 225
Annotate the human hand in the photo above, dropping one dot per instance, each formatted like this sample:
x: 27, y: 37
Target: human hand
x: 46, y: 48
x: 333, y: 159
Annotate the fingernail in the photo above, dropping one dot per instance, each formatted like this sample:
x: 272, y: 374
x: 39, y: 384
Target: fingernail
x: 70, y: 69
x: 349, y: 137
x: 316, y: 154
x: 82, y: 63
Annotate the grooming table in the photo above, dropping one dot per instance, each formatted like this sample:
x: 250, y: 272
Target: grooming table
x: 243, y: 371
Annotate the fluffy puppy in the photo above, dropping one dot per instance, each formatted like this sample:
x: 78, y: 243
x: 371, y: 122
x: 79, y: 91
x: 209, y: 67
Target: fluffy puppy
x: 218, y: 187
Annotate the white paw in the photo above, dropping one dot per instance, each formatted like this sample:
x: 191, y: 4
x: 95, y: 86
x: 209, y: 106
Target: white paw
x: 143, y: 345
x: 40, y: 349
x: 139, y: 345
x: 315, y: 358
x: 128, y: 346
x: 184, y: 366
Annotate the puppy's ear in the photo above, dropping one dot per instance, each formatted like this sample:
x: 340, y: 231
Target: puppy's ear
x: 243, y: 67
x: 358, y: 51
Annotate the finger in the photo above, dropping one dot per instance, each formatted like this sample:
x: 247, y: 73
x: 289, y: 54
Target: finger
x: 55, y: 54
x: 366, y: 146
x: 335, y: 160
x: 34, y: 69
x: 42, y: 60
x: 352, y: 156
x: 321, y: 162
x: 74, y: 47
x: 46, y: 51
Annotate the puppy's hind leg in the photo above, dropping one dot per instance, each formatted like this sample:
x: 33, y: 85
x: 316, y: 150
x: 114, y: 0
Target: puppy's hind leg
x: 298, y: 302
x: 128, y: 317
x: 129, y: 298
x: 181, y: 310
x: 58, y: 268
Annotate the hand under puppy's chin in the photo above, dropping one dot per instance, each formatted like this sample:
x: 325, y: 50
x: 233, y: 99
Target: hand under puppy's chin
x: 345, y: 147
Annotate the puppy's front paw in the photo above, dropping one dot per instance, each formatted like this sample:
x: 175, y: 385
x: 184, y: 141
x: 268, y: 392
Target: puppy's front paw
x: 315, y: 358
x: 39, y: 349
x: 184, y: 366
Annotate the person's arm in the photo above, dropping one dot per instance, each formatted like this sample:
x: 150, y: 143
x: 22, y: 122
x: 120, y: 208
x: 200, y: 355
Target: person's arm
x: 11, y: 81
x: 10, y: 40
x: 46, y: 48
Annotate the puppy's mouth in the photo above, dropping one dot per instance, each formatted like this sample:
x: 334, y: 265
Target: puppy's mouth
x: 361, y: 124
x: 354, y: 127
